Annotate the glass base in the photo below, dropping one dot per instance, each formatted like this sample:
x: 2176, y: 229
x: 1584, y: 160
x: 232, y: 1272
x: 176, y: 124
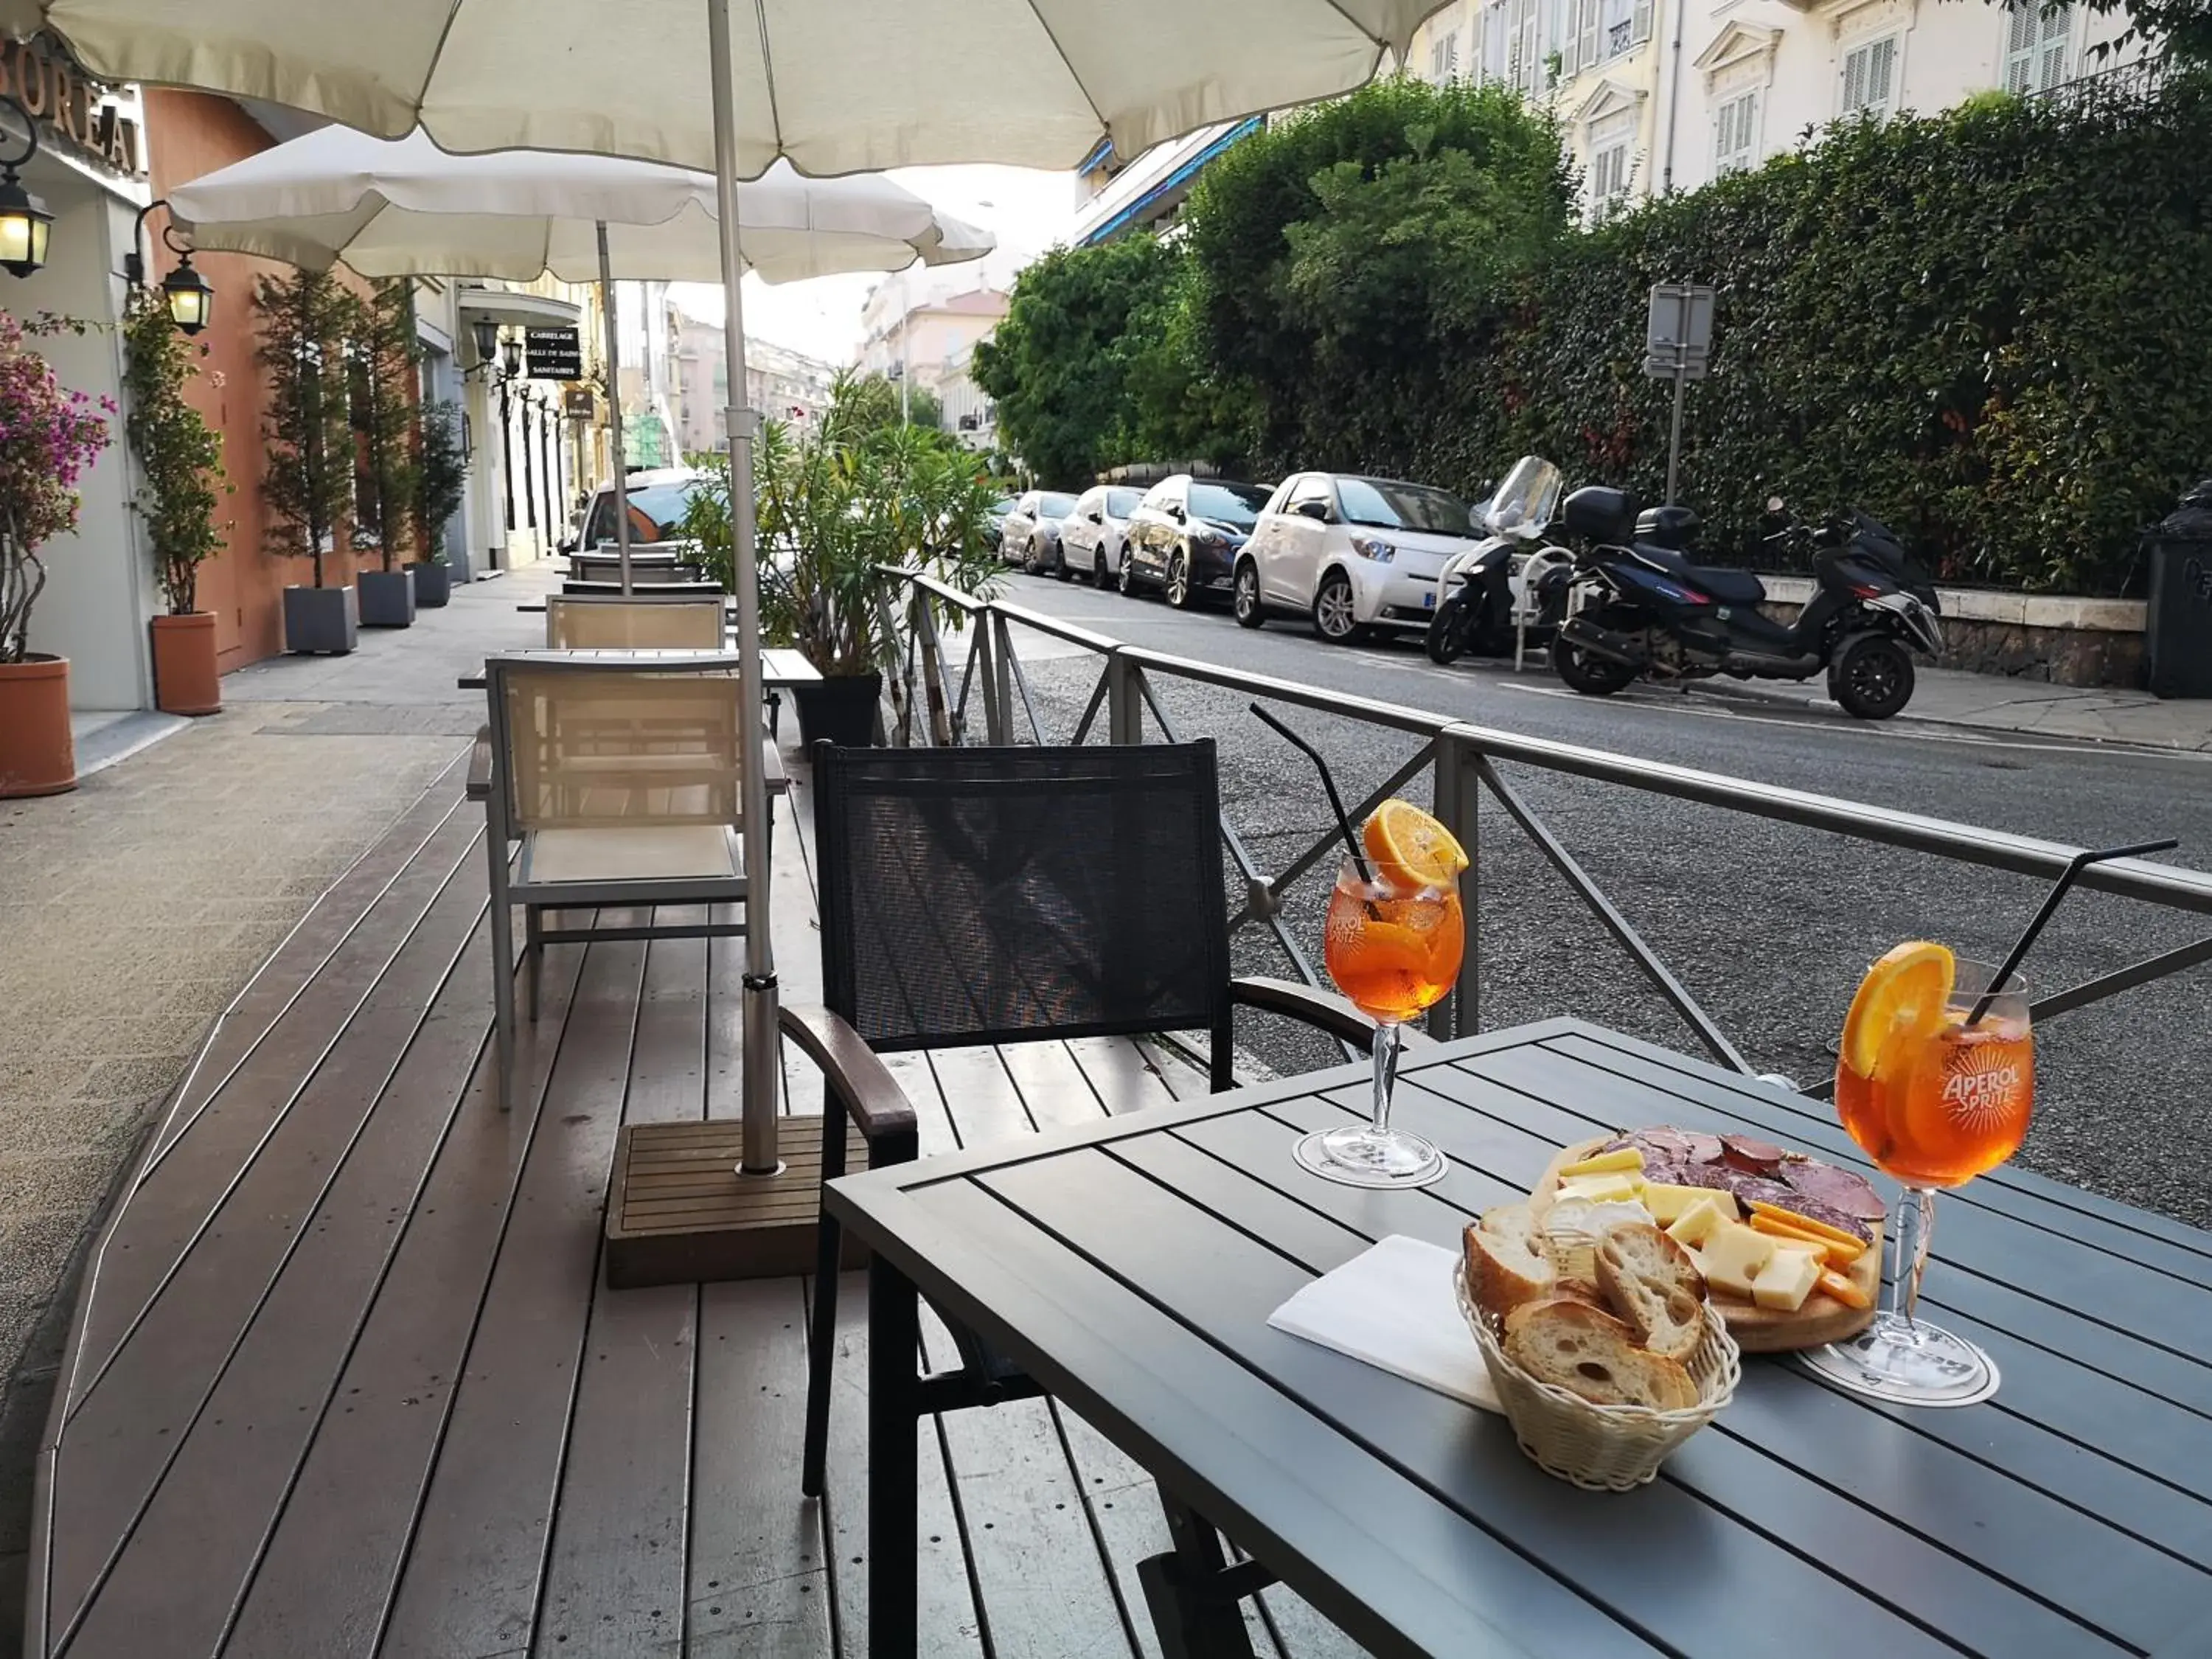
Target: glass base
x: 1355, y: 1156
x: 1907, y: 1361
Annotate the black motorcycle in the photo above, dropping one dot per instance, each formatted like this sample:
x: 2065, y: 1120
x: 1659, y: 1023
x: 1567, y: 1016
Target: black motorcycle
x: 1638, y: 606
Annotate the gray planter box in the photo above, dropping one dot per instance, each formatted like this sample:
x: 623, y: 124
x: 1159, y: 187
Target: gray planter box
x: 387, y: 599
x: 434, y: 585
x: 321, y: 619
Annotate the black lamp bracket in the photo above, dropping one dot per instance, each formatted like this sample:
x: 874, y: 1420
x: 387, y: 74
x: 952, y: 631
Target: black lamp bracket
x: 134, y: 262
x: 8, y: 164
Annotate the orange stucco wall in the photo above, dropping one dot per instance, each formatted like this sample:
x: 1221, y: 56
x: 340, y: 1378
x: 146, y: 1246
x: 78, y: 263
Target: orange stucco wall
x: 189, y: 134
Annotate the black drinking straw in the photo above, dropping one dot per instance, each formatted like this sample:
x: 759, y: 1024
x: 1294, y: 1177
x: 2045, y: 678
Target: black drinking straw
x: 1335, y: 800
x: 2074, y: 866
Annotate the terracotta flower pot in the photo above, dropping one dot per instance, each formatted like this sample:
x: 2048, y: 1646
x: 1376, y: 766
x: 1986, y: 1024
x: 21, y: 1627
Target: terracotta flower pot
x: 37, y: 754
x: 185, y: 677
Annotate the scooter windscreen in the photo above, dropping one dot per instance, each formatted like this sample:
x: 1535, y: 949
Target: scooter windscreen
x: 1527, y: 500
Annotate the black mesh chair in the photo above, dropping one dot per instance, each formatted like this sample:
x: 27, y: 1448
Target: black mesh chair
x: 989, y: 895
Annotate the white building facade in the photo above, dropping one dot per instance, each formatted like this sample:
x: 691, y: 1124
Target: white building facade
x: 1661, y: 95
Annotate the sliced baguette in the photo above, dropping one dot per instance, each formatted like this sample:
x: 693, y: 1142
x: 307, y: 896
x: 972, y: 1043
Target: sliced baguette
x: 1590, y: 1353
x: 1506, y: 1261
x: 1651, y: 1282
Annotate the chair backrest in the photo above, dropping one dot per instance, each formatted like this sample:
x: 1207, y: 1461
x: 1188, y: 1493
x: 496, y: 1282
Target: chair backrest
x: 976, y: 895
x: 590, y: 622
x: 609, y: 743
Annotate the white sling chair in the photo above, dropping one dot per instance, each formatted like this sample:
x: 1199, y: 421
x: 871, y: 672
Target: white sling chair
x: 591, y: 622
x: 621, y: 780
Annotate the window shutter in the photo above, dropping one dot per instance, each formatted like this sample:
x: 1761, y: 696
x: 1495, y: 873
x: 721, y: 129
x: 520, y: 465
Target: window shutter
x: 2057, y: 27
x: 1587, y: 35
x: 1882, y: 69
x: 1640, y: 30
x: 1855, y: 79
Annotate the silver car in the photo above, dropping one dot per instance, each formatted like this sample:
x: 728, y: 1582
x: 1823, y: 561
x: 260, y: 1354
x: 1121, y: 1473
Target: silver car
x: 1090, y: 536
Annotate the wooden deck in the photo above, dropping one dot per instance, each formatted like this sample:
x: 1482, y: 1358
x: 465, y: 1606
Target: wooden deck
x: 345, y: 1377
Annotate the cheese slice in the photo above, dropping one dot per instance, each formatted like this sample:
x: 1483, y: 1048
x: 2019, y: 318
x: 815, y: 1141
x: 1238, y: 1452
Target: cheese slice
x: 1669, y: 1203
x: 1694, y: 1225
x: 1734, y: 1256
x: 1628, y: 1160
x: 1610, y: 1187
x: 1786, y: 1279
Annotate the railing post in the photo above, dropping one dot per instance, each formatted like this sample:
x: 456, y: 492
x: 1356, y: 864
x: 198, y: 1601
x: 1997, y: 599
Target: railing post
x: 1001, y: 684
x: 1125, y: 700
x: 1457, y: 802
x: 932, y: 670
x: 983, y: 665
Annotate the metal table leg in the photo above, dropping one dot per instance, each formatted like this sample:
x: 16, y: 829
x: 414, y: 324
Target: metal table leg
x: 894, y: 1397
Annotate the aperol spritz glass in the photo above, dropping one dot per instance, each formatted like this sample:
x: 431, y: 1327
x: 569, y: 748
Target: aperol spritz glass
x: 1935, y: 1082
x: 1394, y: 947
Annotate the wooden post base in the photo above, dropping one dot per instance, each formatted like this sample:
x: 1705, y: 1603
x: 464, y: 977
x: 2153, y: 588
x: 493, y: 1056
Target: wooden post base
x: 678, y: 1213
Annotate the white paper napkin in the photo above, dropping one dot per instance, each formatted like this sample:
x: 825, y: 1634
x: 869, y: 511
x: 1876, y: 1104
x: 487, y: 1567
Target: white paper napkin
x: 1392, y: 1306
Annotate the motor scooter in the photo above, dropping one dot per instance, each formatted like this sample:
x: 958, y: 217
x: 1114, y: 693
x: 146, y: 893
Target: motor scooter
x: 1510, y: 588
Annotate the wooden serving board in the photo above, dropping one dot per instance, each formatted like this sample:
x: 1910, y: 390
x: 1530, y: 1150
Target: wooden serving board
x: 1756, y: 1329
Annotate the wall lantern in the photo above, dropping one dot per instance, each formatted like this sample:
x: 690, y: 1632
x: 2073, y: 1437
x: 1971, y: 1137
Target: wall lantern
x: 511, y: 359
x: 24, y: 220
x: 190, y: 300
x: 486, y: 330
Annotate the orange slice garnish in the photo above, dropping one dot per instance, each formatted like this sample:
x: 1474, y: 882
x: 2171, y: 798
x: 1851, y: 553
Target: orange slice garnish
x: 1902, y: 996
x: 1411, y: 849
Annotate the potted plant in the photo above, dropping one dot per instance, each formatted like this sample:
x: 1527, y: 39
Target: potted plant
x: 382, y: 383
x: 48, y: 436
x: 307, y: 478
x: 440, y: 474
x: 832, y: 504
x: 181, y: 471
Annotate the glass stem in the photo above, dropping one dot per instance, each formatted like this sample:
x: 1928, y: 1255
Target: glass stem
x: 1916, y: 1215
x: 1386, y: 1072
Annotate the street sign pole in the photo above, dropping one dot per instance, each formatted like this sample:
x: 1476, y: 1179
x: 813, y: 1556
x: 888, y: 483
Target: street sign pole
x: 1674, y: 429
x: 1677, y: 345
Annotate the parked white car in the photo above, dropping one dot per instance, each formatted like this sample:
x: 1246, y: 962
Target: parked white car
x: 1350, y: 553
x: 1090, y: 537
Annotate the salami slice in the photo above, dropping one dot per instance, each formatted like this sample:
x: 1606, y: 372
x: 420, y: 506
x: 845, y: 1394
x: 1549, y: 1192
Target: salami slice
x: 1846, y: 1190
x: 1703, y: 1148
x: 1747, y: 1152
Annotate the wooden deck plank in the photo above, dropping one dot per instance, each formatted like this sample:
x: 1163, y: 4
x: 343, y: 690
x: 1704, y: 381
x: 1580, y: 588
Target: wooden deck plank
x: 173, y: 1198
x: 614, y: 1581
x: 476, y: 1563
x: 195, y: 1546
x: 304, y: 952
x: 135, y: 1413
x: 335, y: 1556
x: 758, y: 1577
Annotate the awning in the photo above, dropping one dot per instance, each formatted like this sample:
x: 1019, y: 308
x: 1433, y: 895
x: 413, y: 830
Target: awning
x: 528, y: 310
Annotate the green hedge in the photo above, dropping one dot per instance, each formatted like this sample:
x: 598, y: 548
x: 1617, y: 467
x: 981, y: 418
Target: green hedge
x: 1991, y: 328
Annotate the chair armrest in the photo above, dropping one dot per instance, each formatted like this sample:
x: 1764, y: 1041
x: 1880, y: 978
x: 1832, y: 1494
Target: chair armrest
x: 1325, y: 1009
x: 479, y: 787
x: 850, y: 1068
x: 773, y: 778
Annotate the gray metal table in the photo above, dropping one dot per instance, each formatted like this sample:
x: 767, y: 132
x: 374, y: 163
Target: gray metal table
x: 1131, y: 1267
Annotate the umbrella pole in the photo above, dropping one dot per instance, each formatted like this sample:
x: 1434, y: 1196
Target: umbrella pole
x: 614, y: 406
x: 762, y: 1036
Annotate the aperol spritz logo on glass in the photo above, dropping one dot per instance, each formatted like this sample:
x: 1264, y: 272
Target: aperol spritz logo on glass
x: 1982, y: 1084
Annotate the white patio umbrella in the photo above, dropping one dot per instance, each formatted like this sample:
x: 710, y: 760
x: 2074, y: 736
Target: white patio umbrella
x: 402, y: 207
x: 836, y: 86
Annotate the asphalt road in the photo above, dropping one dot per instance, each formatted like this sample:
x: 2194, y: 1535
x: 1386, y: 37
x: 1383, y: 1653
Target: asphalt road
x: 1768, y: 925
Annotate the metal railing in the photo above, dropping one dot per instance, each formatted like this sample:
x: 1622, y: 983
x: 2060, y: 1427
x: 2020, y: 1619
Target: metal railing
x: 2121, y: 83
x: 1463, y: 760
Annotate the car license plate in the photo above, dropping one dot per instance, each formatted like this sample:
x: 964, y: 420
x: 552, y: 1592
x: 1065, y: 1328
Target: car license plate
x: 1429, y: 600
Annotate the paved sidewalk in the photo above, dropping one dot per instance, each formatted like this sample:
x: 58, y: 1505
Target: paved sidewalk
x: 1992, y: 703
x: 133, y: 909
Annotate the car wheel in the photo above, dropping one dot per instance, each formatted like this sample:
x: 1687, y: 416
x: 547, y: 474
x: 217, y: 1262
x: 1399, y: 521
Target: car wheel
x: 1250, y: 613
x: 1127, y: 580
x: 1102, y: 573
x: 1178, y: 584
x: 1059, y: 572
x: 1871, y: 678
x: 1334, y: 617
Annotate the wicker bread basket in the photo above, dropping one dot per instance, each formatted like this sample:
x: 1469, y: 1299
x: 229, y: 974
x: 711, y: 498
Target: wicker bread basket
x: 1603, y: 1447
